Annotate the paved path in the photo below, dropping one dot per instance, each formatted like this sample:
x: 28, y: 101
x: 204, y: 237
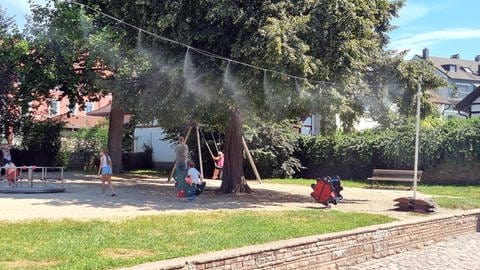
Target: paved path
x: 459, y: 253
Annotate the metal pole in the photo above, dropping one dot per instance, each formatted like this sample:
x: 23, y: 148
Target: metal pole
x: 199, y: 154
x: 417, y: 136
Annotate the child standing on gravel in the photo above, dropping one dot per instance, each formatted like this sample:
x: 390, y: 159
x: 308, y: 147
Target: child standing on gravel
x: 105, y: 169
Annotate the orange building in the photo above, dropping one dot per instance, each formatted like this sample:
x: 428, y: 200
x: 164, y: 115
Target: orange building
x: 58, y: 108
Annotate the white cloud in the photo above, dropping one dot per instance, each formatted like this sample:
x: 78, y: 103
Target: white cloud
x: 410, y: 13
x: 417, y: 42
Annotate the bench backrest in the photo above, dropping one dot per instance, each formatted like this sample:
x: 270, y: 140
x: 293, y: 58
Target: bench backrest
x: 396, y: 173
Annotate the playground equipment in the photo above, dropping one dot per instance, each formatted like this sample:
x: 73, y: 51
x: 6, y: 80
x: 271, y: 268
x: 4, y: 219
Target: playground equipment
x: 415, y: 205
x: 185, y: 189
x: 327, y: 190
x: 245, y: 147
x: 31, y: 179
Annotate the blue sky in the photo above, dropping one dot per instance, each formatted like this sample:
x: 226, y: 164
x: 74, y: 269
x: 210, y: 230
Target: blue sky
x: 18, y: 8
x: 446, y: 27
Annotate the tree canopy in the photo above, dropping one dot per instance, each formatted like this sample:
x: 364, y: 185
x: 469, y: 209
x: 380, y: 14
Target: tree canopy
x: 227, y: 63
x: 13, y: 48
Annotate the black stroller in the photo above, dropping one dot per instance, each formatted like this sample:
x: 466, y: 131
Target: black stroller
x: 327, y: 190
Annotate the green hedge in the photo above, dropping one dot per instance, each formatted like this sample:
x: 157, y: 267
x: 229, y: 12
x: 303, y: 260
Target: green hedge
x: 454, y: 141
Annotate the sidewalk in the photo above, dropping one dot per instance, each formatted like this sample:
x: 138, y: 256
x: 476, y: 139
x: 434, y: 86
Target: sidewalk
x: 459, y: 253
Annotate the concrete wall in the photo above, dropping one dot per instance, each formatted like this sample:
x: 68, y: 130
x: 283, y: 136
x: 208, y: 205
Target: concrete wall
x: 332, y: 250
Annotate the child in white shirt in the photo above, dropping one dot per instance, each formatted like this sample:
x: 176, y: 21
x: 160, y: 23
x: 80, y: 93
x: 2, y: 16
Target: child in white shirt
x: 196, y: 177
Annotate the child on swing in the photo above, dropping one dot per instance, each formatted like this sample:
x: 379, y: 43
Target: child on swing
x: 196, y: 178
x: 219, y: 160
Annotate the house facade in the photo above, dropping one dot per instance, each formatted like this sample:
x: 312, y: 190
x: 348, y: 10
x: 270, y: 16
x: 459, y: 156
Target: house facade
x: 57, y: 108
x: 462, y: 76
x: 470, y: 105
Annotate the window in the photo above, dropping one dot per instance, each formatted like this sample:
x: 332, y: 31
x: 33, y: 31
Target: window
x: 467, y: 69
x: 74, y: 110
x: 30, y: 107
x: 89, y: 107
x: 307, y: 126
x: 463, y: 90
x: 54, y: 108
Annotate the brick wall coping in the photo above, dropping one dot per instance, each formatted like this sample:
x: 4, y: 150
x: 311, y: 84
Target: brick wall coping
x: 225, y: 255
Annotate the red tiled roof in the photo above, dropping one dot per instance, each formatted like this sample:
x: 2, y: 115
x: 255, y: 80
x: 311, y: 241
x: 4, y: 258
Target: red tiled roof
x: 105, y: 112
x: 102, y: 111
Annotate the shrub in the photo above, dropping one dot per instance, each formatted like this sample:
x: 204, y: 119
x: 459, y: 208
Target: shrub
x: 272, y: 146
x: 86, y: 143
x: 355, y: 155
x: 43, y: 139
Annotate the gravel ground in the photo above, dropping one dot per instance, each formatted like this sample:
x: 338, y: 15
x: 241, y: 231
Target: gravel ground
x: 135, y: 197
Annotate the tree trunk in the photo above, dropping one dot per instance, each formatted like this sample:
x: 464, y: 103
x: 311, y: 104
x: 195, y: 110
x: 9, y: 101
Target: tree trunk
x: 115, y: 132
x: 233, y: 178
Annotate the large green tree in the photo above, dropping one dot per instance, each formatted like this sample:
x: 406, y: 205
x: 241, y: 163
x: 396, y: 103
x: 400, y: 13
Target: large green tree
x: 82, y: 60
x: 393, y: 97
x: 183, y: 62
x: 333, y: 41
x: 12, y: 49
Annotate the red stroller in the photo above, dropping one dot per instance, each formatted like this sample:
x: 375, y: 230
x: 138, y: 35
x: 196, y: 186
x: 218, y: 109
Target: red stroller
x: 327, y: 190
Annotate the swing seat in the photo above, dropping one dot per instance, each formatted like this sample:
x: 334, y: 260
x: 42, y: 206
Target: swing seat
x: 327, y: 190
x: 182, y: 187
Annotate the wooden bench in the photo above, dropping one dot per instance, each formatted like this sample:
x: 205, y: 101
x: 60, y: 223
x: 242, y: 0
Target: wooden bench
x: 379, y: 175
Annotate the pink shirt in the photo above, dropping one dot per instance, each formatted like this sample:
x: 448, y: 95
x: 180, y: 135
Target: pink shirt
x: 220, y: 162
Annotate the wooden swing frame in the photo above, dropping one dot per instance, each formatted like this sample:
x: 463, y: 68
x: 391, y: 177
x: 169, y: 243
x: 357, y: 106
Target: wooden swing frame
x: 199, y: 148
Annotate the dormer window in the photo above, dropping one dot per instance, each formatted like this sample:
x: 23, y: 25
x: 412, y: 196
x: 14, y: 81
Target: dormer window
x: 467, y: 69
x: 450, y: 67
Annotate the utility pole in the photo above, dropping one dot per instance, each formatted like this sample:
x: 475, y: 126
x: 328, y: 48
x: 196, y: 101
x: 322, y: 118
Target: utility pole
x: 417, y: 137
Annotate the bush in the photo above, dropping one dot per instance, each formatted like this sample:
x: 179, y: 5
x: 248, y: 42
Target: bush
x: 355, y: 155
x: 84, y: 146
x: 272, y: 146
x: 41, y: 143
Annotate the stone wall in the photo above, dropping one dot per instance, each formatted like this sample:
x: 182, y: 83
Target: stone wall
x: 332, y: 250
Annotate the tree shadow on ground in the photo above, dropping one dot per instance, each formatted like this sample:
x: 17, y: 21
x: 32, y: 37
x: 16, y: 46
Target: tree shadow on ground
x: 157, y: 195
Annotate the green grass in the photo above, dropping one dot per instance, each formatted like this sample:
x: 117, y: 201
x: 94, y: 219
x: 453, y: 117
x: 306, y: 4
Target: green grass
x: 453, y: 197
x: 308, y: 182
x: 105, y: 245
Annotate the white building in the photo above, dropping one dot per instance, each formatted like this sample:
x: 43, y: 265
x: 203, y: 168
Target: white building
x: 462, y: 76
x: 163, y: 155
